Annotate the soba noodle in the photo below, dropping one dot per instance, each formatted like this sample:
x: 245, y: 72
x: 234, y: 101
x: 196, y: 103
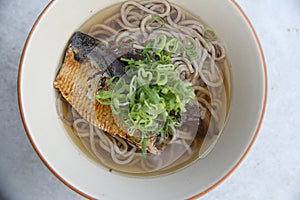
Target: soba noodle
x: 209, y: 72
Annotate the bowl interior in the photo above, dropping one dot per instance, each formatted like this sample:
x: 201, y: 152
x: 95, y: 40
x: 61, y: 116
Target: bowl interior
x: 39, y: 65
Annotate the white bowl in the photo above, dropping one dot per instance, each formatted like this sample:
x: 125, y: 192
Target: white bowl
x: 38, y: 67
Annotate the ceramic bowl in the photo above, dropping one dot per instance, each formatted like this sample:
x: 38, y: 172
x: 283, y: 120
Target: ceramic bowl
x: 42, y: 55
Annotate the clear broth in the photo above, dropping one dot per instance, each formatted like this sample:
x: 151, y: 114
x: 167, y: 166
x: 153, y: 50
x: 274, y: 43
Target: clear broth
x: 205, y: 140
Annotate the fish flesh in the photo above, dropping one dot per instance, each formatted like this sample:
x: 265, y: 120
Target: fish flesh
x: 86, y: 63
x: 87, y: 66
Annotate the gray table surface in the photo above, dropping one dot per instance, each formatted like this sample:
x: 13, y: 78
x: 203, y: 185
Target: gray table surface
x: 271, y: 170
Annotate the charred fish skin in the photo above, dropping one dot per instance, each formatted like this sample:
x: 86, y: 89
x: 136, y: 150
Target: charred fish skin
x: 82, y: 44
x: 89, y: 49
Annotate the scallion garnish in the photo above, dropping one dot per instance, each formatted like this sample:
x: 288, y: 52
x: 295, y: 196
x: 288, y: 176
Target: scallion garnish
x: 150, y: 98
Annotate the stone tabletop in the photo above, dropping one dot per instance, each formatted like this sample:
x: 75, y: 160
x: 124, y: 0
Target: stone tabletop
x: 271, y: 170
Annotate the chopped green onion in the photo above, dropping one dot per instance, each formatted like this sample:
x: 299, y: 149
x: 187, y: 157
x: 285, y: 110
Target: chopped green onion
x: 190, y: 48
x: 126, y: 42
x: 104, y: 97
x: 172, y: 45
x: 167, y: 67
x: 144, y: 145
x: 155, y: 19
x: 165, y: 59
x: 152, y: 99
x: 189, y: 44
x: 159, y: 43
x: 208, y: 33
x: 192, y: 54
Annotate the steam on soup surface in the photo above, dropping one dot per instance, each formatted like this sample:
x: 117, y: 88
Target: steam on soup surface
x: 144, y: 87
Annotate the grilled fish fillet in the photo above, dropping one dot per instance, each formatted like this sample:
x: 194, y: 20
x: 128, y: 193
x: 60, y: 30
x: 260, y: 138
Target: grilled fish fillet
x: 85, y: 63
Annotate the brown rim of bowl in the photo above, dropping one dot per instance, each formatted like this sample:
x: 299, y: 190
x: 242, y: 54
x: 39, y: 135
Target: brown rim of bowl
x: 193, y: 197
x: 262, y: 111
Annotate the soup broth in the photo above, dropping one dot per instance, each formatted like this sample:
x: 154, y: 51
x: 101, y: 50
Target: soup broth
x: 200, y: 59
